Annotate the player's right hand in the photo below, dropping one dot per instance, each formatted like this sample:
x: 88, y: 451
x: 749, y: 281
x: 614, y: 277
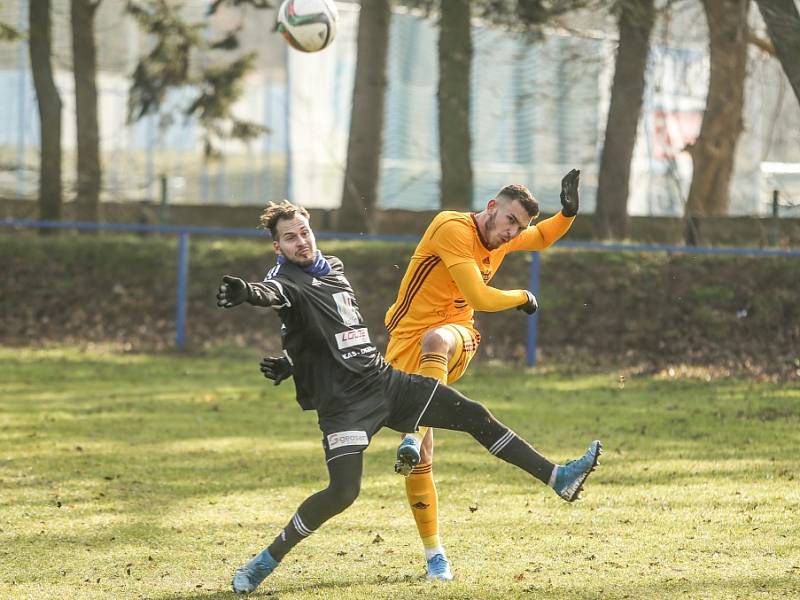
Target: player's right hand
x: 276, y: 368
x: 530, y: 306
x: 233, y: 291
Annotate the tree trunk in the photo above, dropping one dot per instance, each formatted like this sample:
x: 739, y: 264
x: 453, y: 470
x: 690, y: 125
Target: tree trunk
x: 611, y: 215
x: 365, y: 145
x: 84, y: 56
x: 714, y: 150
x: 49, y: 103
x: 455, y: 61
x: 783, y: 26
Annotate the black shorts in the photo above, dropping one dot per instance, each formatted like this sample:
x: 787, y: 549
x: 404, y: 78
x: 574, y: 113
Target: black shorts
x: 398, y: 403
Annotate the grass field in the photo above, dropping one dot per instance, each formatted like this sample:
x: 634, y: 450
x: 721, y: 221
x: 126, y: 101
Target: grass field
x: 155, y: 476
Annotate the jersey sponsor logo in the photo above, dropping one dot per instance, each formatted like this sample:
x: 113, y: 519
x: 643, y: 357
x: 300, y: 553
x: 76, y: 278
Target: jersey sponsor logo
x: 352, y: 337
x: 347, y: 438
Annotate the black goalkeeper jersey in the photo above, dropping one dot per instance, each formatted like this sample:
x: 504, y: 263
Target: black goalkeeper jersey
x: 336, y: 366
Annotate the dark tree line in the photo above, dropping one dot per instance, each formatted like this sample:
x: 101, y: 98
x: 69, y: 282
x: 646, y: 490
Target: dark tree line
x: 168, y: 66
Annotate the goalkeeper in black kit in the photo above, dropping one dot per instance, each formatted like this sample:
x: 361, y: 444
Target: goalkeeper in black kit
x: 339, y: 373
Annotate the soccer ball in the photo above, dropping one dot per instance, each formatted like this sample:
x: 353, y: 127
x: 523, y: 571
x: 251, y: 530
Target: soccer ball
x: 308, y: 25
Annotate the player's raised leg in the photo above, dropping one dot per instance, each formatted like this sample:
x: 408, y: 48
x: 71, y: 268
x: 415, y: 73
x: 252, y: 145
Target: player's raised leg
x: 345, y: 482
x: 449, y: 409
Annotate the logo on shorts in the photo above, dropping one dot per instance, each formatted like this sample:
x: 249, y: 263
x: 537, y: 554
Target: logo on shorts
x: 352, y: 337
x: 347, y: 438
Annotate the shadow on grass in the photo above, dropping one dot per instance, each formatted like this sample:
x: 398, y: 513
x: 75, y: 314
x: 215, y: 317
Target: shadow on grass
x: 695, y: 587
x: 336, y: 587
x: 663, y: 587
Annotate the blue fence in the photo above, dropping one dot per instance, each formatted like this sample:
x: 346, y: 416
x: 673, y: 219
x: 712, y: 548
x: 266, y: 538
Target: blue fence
x: 183, y: 233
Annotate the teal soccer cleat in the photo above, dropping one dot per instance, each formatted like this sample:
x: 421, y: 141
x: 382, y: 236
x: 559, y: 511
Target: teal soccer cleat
x: 408, y: 455
x: 439, y: 568
x: 570, y: 477
x: 247, y: 578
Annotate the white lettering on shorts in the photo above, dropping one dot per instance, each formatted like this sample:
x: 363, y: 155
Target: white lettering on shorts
x: 352, y: 337
x: 347, y: 438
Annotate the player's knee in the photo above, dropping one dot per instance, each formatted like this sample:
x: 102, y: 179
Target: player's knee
x: 477, y: 414
x: 438, y: 340
x: 343, y: 495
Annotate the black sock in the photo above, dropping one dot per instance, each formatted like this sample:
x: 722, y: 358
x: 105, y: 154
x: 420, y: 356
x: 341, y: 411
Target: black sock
x: 294, y: 532
x: 518, y: 452
x: 345, y: 483
x: 449, y: 409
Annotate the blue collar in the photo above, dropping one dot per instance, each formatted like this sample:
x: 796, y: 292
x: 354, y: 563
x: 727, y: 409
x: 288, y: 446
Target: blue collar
x: 319, y: 268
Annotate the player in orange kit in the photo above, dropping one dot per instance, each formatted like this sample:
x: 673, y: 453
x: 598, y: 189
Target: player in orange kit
x: 431, y: 325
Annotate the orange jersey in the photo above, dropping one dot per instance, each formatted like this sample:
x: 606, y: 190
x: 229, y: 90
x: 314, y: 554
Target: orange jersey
x: 452, y: 265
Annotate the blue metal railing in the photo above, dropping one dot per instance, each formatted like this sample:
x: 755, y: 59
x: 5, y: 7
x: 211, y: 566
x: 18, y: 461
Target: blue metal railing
x: 533, y: 284
x: 678, y: 249
x: 190, y: 230
x: 183, y: 233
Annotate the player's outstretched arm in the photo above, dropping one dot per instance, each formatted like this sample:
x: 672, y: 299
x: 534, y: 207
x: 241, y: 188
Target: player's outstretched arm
x: 545, y: 233
x: 485, y: 298
x: 276, y: 368
x: 234, y: 291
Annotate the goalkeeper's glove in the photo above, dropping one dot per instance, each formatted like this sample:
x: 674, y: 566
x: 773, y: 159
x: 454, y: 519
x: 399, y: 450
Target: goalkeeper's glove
x: 530, y: 306
x: 569, y: 193
x: 276, y: 368
x: 234, y: 291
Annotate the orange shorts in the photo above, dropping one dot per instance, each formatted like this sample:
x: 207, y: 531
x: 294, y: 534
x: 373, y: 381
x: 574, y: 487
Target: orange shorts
x: 405, y: 353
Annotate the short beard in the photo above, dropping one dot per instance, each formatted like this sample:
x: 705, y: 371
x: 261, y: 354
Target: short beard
x: 303, y: 262
x: 490, y: 221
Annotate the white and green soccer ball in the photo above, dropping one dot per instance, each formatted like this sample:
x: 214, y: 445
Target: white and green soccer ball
x: 308, y: 25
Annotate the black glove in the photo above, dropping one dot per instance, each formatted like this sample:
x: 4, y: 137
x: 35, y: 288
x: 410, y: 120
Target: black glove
x: 276, y: 368
x: 232, y: 292
x: 569, y: 193
x: 530, y: 306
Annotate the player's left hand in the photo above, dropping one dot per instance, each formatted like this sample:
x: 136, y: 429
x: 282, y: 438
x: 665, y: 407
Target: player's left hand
x: 569, y: 193
x: 276, y: 368
x: 530, y: 306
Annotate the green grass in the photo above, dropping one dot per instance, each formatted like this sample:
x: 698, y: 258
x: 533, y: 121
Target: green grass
x: 155, y: 476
